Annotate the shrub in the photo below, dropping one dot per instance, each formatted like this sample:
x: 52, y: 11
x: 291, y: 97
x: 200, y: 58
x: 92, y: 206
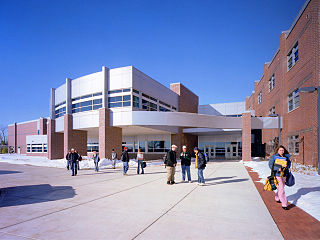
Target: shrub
x: 4, y: 150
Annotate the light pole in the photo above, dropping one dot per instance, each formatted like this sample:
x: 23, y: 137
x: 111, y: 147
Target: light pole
x: 311, y: 90
x: 279, y: 126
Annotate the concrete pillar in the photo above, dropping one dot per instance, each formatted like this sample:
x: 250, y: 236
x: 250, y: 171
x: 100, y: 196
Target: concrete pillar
x: 105, y: 76
x: 109, y: 137
x: 68, y: 96
x: 246, y: 136
x: 52, y: 103
x: 54, y: 141
x: 76, y: 139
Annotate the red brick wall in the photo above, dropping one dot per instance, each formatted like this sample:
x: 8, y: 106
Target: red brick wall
x: 188, y: 101
x: 76, y: 139
x: 55, y: 141
x: 301, y: 121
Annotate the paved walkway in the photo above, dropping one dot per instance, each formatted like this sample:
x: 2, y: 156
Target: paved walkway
x: 47, y: 203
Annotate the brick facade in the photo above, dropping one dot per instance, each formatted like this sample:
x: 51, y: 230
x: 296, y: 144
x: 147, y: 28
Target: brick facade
x: 246, y: 136
x: 109, y: 137
x: 301, y: 121
x: 55, y: 141
x: 76, y: 139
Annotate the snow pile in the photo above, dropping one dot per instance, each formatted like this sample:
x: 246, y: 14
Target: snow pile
x: 305, y: 193
x: 86, y: 163
x: 304, y: 169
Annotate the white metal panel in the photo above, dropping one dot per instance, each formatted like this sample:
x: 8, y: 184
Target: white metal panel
x: 60, y: 124
x: 60, y: 94
x: 88, y: 84
x: 36, y: 139
x: 86, y: 120
x: 120, y: 78
x: 151, y: 87
x: 234, y: 108
x: 226, y: 137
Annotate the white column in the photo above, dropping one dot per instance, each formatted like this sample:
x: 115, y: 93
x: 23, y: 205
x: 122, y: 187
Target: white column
x: 106, y: 79
x: 68, y: 96
x: 52, y: 103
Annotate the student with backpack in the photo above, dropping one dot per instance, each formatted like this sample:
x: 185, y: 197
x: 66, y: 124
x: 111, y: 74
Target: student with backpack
x: 125, y: 160
x: 200, y: 164
x: 68, y: 160
x: 280, y: 163
x: 140, y: 162
x: 96, y: 160
x: 185, y: 158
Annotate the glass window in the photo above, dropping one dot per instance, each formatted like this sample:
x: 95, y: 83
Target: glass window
x: 158, y: 146
x: 293, y: 100
x: 126, y: 104
x: 86, y: 103
x: 115, y: 91
x: 136, y: 101
x: 116, y: 104
x: 97, y: 106
x: 136, y: 91
x: 126, y: 90
x: 293, y: 145
x: 86, y: 96
x: 271, y: 83
x: 84, y: 109
x: 142, y: 146
x: 115, y: 99
x: 259, y: 97
x: 97, y: 101
x: 76, y: 110
x: 272, y: 110
x: 293, y: 56
x: 126, y: 97
x: 97, y: 94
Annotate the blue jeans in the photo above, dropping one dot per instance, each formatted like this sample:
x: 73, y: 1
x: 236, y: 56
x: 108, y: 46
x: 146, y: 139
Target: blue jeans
x: 69, y: 164
x: 185, y: 169
x: 140, y: 162
x: 74, y: 167
x: 125, y: 167
x: 96, y: 166
x: 200, y: 175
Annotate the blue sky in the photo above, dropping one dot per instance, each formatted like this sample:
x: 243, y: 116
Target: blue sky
x: 216, y: 48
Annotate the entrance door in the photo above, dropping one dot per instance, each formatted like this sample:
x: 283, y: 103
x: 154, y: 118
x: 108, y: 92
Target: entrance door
x: 210, y: 151
x: 234, y: 149
x: 231, y: 150
x: 228, y: 150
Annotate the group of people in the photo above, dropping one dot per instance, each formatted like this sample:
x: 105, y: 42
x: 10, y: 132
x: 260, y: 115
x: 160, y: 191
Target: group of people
x: 73, y: 158
x: 185, y: 157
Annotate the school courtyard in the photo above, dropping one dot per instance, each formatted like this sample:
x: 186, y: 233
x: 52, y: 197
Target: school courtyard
x: 48, y: 203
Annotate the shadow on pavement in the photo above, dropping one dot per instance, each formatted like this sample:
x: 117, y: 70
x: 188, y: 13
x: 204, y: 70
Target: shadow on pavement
x: 3, y: 172
x: 34, y: 194
x: 229, y: 181
x: 302, y: 191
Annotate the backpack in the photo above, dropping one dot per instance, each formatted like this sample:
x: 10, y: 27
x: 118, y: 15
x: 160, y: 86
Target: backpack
x: 165, y: 158
x: 144, y: 164
x: 205, y: 156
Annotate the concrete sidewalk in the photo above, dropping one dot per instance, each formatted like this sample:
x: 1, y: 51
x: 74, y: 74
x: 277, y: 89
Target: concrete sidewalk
x: 47, y: 203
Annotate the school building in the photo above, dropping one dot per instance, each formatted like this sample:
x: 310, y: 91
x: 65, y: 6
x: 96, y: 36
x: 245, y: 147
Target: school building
x: 121, y: 107
x: 294, y: 65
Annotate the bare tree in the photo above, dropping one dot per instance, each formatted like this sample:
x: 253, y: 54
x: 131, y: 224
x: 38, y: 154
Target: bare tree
x: 3, y: 135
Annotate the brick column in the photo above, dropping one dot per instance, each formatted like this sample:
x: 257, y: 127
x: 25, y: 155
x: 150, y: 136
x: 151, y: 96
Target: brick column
x: 109, y: 137
x: 246, y: 136
x: 43, y: 126
x: 54, y: 141
x: 76, y: 139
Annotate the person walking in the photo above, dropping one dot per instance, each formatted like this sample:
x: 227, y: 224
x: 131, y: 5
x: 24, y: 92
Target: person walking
x: 171, y: 163
x: 200, y: 164
x: 68, y: 160
x: 79, y: 159
x: 113, y: 158
x: 74, y: 158
x: 140, y: 162
x: 96, y: 160
x: 185, y: 158
x: 281, y: 172
x: 125, y: 160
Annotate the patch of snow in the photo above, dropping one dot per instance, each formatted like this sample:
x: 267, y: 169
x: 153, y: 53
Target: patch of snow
x: 305, y: 193
x: 86, y: 163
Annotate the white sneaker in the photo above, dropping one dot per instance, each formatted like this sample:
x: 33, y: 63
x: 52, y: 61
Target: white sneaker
x: 190, y: 182
x: 183, y: 181
x: 202, y: 184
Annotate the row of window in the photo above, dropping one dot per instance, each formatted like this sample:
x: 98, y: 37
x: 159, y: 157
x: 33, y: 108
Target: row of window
x: 150, y: 146
x: 119, y: 91
x: 87, y: 105
x: 119, y: 101
x: 149, y: 106
x: 87, y: 96
x: 60, y: 104
x: 60, y: 112
x: 37, y: 148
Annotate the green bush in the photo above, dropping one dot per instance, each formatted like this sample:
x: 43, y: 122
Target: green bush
x: 4, y: 150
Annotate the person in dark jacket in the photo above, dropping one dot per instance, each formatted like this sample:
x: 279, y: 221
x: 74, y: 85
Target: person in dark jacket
x: 171, y: 163
x: 200, y: 164
x: 125, y: 160
x: 68, y: 160
x: 79, y: 159
x: 281, y: 172
x: 74, y: 158
x: 96, y: 160
x: 185, y: 158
